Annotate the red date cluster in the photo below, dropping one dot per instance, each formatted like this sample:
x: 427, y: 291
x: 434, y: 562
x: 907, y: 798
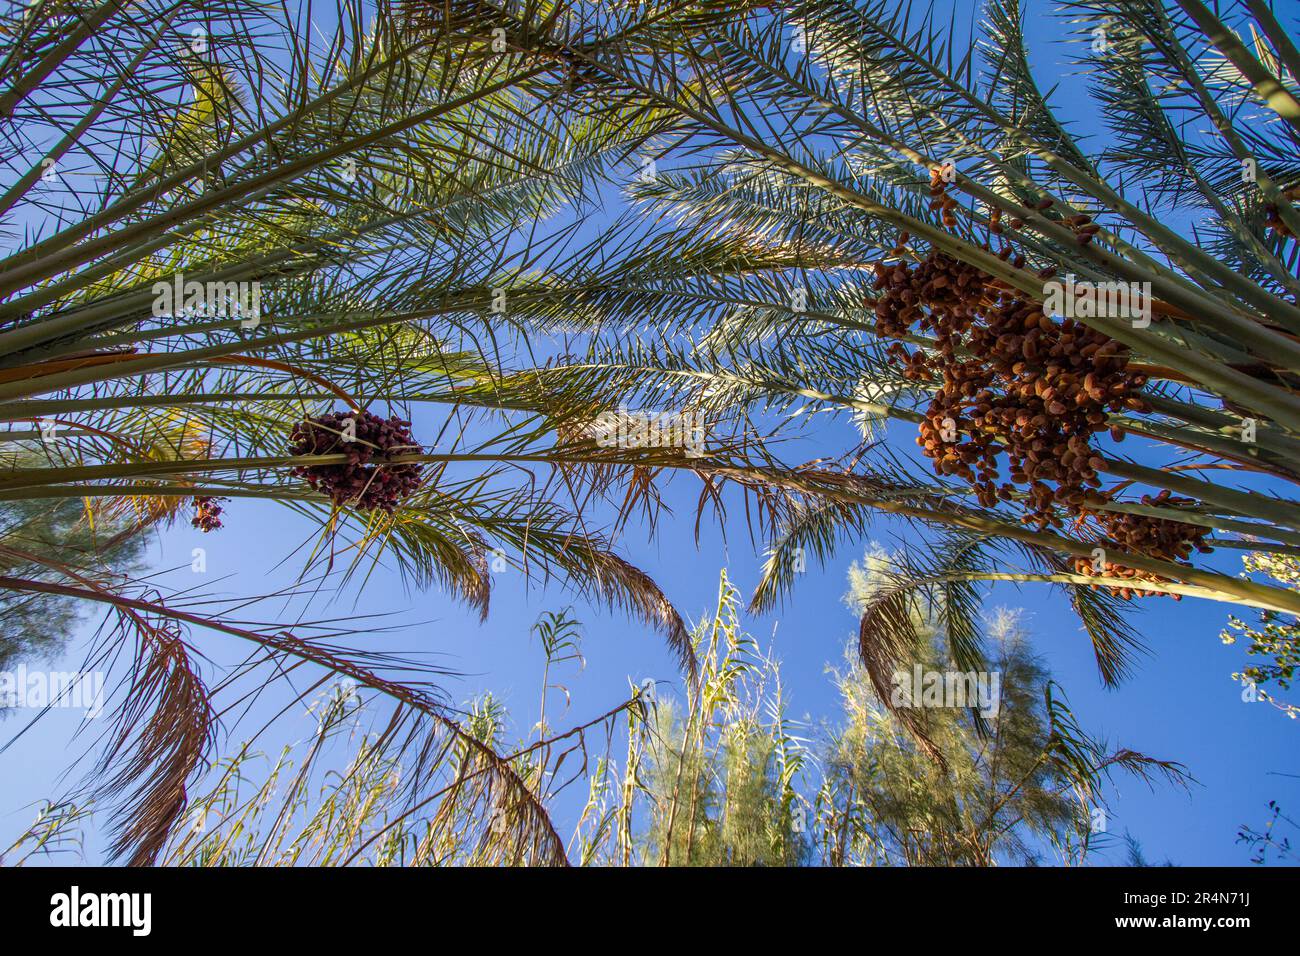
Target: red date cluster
x: 367, y: 480
x: 207, y: 513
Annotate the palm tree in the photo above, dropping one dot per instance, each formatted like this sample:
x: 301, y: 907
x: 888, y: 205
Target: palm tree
x: 840, y: 164
x: 238, y: 229
x: 377, y: 194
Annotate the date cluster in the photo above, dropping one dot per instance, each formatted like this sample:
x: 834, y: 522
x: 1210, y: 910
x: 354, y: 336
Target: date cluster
x: 368, y: 479
x: 207, y: 513
x: 1016, y: 382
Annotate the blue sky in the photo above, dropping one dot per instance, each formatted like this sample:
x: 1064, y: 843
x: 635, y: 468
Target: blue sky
x: 1179, y: 703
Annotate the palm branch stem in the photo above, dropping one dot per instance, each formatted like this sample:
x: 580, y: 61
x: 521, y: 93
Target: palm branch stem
x: 1244, y: 453
x: 1101, y: 581
x: 1280, y: 598
x: 286, y: 643
x: 1267, y: 86
x: 1239, y: 502
x: 31, y: 80
x: 1212, y: 493
x: 158, y: 361
x: 25, y: 182
x: 1217, y: 522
